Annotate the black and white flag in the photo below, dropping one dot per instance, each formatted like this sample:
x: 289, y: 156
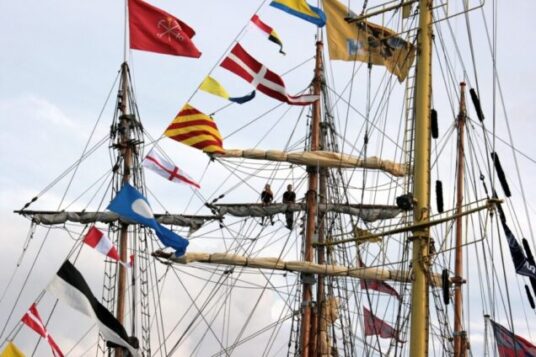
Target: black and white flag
x: 70, y: 287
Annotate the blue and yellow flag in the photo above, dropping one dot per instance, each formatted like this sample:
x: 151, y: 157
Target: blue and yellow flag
x: 212, y: 86
x: 366, y: 42
x: 11, y: 351
x: 301, y: 9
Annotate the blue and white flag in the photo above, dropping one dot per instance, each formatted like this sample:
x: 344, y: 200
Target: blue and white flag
x: 130, y: 204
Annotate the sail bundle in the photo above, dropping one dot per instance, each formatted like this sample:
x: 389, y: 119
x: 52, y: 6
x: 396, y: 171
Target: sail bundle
x: 319, y: 158
x: 296, y: 266
x: 368, y: 213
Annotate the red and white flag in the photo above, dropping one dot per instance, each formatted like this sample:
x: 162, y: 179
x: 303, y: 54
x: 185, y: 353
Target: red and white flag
x: 97, y: 239
x: 244, y: 65
x: 376, y: 326
x: 32, y: 319
x: 153, y: 161
x: 154, y: 30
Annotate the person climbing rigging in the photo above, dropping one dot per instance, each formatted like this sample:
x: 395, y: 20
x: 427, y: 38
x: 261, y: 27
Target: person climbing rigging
x: 266, y: 198
x: 289, y: 198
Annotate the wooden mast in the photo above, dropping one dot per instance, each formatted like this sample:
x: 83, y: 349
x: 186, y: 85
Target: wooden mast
x: 460, y: 346
x: 306, y: 343
x: 421, y: 184
x: 125, y: 149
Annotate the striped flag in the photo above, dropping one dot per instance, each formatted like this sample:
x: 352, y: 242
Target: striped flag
x: 97, y: 239
x: 244, y: 65
x: 511, y: 345
x: 33, y: 320
x: 156, y: 163
x: 69, y: 286
x: 272, y: 35
x: 376, y: 326
x: 301, y: 9
x: 194, y: 128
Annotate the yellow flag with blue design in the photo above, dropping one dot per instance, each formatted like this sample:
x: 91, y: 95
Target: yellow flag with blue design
x: 11, y: 351
x: 366, y: 42
x: 212, y: 86
x: 301, y: 9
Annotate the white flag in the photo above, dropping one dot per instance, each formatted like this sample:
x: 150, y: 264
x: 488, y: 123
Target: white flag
x: 166, y: 169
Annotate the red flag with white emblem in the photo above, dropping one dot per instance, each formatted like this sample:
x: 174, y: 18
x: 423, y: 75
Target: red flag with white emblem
x: 32, y: 319
x: 154, y: 30
x: 155, y: 162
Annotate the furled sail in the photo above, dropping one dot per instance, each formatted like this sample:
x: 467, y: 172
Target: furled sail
x: 382, y: 274
x: 50, y: 218
x: 368, y: 213
x: 318, y: 158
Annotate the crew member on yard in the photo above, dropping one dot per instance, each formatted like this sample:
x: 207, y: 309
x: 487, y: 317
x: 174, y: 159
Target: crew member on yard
x: 289, y: 198
x: 266, y: 198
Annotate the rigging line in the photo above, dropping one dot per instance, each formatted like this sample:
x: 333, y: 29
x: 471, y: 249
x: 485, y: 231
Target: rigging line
x: 29, y: 236
x: 82, y: 157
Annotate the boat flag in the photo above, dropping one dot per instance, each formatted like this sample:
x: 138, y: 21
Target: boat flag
x: 69, y: 286
x: 33, y: 320
x: 155, y: 162
x: 130, y: 204
x: 521, y: 263
x: 366, y: 42
x: 97, y: 239
x: 244, y: 65
x: 212, y: 86
x: 272, y: 35
x: 301, y: 9
x: 511, y: 345
x: 154, y: 30
x: 11, y: 351
x: 376, y: 326
x: 378, y: 285
x: 194, y: 128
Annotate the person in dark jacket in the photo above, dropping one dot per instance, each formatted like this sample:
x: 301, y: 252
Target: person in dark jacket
x: 289, y: 198
x: 267, y: 198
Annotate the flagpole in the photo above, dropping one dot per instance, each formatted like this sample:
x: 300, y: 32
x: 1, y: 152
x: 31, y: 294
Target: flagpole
x: 126, y: 35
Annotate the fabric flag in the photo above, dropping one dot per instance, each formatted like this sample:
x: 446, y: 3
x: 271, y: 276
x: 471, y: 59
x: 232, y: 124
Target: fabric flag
x: 521, y: 263
x: 155, y: 162
x: 69, y: 286
x: 11, y: 351
x: 242, y: 64
x: 96, y: 238
x: 272, y: 35
x: 212, y: 86
x: 301, y: 9
x: 130, y: 204
x: 194, y: 128
x: 366, y: 42
x: 376, y: 326
x: 33, y: 320
x: 377, y: 285
x: 510, y: 345
x: 380, y: 286
x: 154, y: 30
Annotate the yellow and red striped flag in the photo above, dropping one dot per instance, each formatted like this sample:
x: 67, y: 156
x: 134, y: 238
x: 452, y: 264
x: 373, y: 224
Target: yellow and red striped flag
x: 194, y: 128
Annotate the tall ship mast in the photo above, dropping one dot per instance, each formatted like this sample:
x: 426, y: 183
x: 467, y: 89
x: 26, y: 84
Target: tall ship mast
x: 301, y: 185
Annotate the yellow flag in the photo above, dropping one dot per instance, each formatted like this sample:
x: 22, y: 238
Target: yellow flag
x: 212, y: 86
x: 11, y: 351
x: 194, y: 128
x: 366, y: 42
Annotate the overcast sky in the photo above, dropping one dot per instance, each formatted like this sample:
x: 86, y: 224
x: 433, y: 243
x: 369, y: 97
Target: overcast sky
x: 59, y: 60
